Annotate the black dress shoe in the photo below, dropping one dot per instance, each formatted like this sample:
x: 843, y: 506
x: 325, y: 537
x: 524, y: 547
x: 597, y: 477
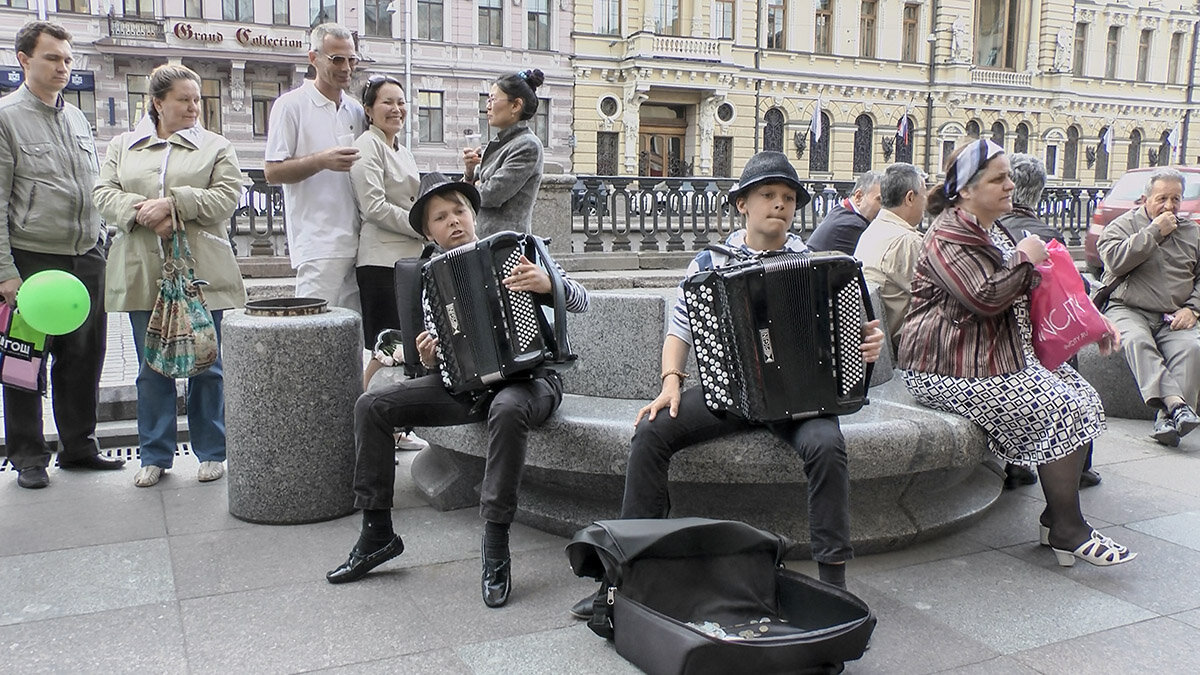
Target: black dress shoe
x: 1015, y: 476
x: 34, y: 478
x: 497, y: 581
x: 585, y: 608
x: 358, y: 564
x: 94, y: 462
x: 1089, y: 478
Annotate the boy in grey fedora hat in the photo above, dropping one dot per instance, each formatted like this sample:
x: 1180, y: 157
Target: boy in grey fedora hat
x: 767, y: 196
x: 445, y: 214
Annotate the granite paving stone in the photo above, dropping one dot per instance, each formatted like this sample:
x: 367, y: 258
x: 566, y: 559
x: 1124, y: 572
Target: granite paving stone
x: 1160, y: 645
x: 969, y: 592
x: 303, y: 627
x: 574, y: 649
x: 112, y: 517
x: 1180, y: 528
x: 1001, y: 664
x: 191, y: 511
x: 83, y: 579
x: 143, y: 639
x: 1191, y: 617
x: 434, y: 661
x: 1120, y: 499
x: 1179, y: 471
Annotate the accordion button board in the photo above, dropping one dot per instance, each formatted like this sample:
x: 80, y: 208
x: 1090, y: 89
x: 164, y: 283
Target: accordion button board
x: 777, y: 337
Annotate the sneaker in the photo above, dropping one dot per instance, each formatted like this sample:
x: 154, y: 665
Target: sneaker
x: 1185, y: 419
x: 1165, y: 432
x: 148, y: 475
x: 210, y: 471
x: 410, y: 441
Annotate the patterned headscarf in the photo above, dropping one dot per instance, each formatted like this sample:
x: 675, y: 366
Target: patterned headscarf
x: 970, y: 161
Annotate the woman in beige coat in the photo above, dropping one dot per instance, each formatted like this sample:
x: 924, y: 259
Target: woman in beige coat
x: 170, y: 163
x: 385, y: 180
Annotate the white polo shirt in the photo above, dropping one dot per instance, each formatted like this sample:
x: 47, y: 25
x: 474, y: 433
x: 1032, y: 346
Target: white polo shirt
x: 322, y: 218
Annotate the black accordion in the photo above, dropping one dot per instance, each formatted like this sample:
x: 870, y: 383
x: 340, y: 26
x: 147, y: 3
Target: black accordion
x: 486, y: 333
x: 777, y: 336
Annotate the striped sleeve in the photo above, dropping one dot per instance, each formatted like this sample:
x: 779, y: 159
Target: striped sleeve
x: 576, y: 294
x: 975, y: 280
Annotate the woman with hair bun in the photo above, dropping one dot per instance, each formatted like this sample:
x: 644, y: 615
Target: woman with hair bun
x: 508, y: 171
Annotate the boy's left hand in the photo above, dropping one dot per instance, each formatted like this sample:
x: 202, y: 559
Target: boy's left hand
x: 872, y: 341
x: 528, y: 277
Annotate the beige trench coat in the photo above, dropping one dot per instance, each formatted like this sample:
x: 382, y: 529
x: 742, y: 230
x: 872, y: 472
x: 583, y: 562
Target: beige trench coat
x: 201, y: 172
x: 385, y: 182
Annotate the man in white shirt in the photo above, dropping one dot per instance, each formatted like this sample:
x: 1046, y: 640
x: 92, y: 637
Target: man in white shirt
x: 890, y: 245
x: 309, y: 151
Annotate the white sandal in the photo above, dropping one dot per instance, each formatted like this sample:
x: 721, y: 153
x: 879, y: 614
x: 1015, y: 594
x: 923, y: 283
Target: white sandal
x: 1098, y: 550
x: 1044, y: 538
x: 148, y: 475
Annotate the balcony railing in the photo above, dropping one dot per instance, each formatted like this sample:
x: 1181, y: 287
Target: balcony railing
x: 644, y: 214
x: 673, y: 47
x: 1003, y: 78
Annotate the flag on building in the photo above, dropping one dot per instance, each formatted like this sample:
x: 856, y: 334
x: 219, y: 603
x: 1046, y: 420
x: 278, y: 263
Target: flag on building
x: 814, y: 127
x: 1107, y: 139
x: 1173, y: 137
x: 902, y: 127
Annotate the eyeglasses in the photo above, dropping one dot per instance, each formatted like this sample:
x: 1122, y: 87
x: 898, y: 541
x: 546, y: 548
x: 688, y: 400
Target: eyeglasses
x: 377, y: 79
x: 341, y: 61
x: 492, y: 100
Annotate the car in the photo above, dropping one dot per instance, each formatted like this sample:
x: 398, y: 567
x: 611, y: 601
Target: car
x: 1127, y: 193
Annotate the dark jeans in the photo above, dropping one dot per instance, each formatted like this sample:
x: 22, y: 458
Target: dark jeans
x: 377, y: 292
x: 76, y: 362
x: 818, y: 441
x: 514, y: 410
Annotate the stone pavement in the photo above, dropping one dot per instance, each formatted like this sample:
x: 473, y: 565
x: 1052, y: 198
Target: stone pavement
x: 104, y: 577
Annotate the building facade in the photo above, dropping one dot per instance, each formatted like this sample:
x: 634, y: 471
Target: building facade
x: 694, y: 87
x: 247, y: 52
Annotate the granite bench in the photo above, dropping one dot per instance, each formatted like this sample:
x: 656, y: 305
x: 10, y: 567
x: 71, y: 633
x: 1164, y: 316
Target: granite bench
x: 1113, y: 380
x: 915, y: 472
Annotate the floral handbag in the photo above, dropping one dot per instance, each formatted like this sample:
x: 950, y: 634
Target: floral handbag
x: 181, y: 340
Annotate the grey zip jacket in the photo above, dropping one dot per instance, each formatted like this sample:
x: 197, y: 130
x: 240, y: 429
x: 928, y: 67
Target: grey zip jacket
x: 48, y: 166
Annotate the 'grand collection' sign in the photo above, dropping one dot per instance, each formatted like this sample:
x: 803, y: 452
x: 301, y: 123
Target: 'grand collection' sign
x: 244, y: 36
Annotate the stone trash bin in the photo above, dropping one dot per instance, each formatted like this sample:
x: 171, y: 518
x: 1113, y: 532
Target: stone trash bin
x: 293, y: 370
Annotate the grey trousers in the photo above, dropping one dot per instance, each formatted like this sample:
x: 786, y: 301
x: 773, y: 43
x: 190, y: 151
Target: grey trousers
x: 1164, y: 362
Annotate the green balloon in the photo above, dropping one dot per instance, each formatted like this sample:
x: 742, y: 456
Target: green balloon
x: 54, y: 302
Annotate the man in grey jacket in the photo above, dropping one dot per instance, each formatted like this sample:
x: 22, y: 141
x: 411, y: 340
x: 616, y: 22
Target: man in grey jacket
x: 48, y: 166
x: 1152, y: 261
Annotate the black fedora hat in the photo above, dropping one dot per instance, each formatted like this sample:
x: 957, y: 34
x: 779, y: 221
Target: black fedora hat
x: 435, y: 183
x: 769, y: 166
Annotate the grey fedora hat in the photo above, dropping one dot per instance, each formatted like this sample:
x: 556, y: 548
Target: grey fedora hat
x: 435, y: 183
x: 769, y: 166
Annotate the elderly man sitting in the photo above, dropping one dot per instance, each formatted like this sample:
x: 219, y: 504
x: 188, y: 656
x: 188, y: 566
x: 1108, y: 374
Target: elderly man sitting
x: 1152, y: 261
x: 844, y: 224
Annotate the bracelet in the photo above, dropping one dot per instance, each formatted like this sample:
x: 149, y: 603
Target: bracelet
x: 682, y: 375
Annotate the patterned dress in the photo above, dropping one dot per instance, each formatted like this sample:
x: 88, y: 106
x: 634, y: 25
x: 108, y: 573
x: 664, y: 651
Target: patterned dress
x: 1033, y: 416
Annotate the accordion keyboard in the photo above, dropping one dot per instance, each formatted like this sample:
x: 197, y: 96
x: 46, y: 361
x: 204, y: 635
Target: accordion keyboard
x: 524, y: 312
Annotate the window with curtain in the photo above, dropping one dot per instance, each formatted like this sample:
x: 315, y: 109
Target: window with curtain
x: 85, y: 100
x: 723, y: 11
x: 1133, y: 158
x: 818, y: 151
x: 262, y: 98
x: 973, y: 129
x: 866, y: 29
x: 538, y: 12
x: 429, y: 116
x: 540, y: 123
x: 773, y: 130
x: 376, y: 20
x: 608, y: 18
x: 1143, y: 64
x: 1071, y: 153
x: 910, y: 35
x: 137, y: 93
x: 281, y: 12
x: 996, y: 33
x: 17, y: 4
x: 1173, y: 58
x: 1081, y: 34
x: 776, y: 25
x: 823, y: 38
x: 485, y: 132
x: 231, y: 10
x: 491, y: 22
x: 430, y: 18
x: 321, y: 11
x: 1111, y: 50
x: 74, y: 6
x: 1021, y: 142
x: 210, y: 105
x: 1051, y: 160
x: 666, y: 17
x: 140, y: 8
x: 998, y: 133
x: 864, y: 132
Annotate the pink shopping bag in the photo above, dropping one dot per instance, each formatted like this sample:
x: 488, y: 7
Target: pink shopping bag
x: 22, y: 352
x: 1063, y: 316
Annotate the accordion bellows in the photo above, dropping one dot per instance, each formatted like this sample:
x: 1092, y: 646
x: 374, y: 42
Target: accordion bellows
x: 777, y: 337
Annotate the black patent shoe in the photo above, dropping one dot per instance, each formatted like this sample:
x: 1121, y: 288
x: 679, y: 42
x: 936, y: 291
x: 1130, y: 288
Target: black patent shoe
x: 92, y: 463
x: 1089, y: 478
x: 358, y: 564
x: 497, y: 581
x: 1015, y: 476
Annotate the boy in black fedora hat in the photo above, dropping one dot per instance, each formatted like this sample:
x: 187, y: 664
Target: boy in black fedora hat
x: 444, y: 213
x: 767, y: 196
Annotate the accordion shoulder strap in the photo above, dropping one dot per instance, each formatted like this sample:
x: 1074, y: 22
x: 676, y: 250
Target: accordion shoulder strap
x: 562, y: 349
x: 408, y: 304
x: 729, y: 252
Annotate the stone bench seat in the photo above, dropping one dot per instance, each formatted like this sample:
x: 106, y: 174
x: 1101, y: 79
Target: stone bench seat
x: 1113, y: 380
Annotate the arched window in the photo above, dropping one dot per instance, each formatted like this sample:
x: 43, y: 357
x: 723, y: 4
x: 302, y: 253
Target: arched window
x: 773, y: 131
x: 904, y: 147
x: 864, y: 131
x: 973, y: 129
x: 1164, y: 149
x: 818, y: 156
x: 1102, y: 156
x: 1021, y: 142
x: 1134, y: 159
x: 1071, y: 153
x: 998, y: 133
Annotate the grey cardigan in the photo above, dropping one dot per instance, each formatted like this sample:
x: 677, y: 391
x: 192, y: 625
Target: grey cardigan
x: 509, y: 176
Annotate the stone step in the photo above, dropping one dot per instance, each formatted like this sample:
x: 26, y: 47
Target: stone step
x: 110, y: 434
